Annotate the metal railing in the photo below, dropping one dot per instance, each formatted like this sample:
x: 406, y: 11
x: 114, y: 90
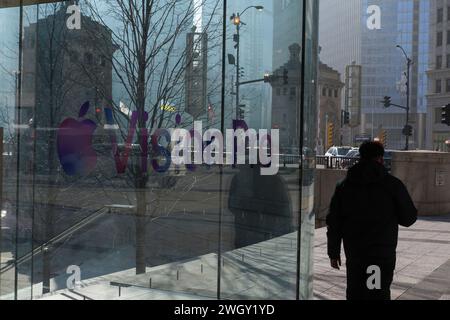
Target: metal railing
x: 75, y: 293
x: 289, y: 159
x: 63, y: 235
x: 336, y: 162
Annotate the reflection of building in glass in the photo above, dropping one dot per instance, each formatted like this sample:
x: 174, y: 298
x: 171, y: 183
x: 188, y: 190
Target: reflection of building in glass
x: 403, y: 23
x: 196, y: 74
x: 285, y: 34
x: 285, y: 99
x: 330, y: 90
x: 439, y: 75
x: 63, y: 69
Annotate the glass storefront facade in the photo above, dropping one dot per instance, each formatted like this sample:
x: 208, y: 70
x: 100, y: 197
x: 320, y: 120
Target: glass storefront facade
x: 158, y: 149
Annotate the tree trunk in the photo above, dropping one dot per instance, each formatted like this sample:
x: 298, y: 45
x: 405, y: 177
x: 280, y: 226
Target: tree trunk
x: 46, y: 271
x: 141, y: 209
x: 141, y: 176
x: 49, y: 216
x: 47, y: 252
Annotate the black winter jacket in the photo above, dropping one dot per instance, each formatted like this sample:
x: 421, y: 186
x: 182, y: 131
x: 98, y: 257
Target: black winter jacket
x: 365, y: 212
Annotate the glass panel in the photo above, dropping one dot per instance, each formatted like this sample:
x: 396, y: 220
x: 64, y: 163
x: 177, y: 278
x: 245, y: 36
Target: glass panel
x: 264, y: 79
x: 310, y: 114
x: 115, y: 144
x: 17, y: 213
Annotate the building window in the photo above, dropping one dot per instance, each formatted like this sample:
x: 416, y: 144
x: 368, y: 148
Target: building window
x: 102, y: 61
x: 324, y: 92
x: 448, y: 36
x: 447, y: 85
x: 438, y: 88
x: 439, y: 62
x: 448, y: 13
x: 448, y: 61
x: 439, y: 39
x: 440, y: 15
x: 336, y: 93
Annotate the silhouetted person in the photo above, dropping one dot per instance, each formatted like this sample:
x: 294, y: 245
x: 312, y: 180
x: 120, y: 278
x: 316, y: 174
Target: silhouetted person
x: 261, y: 206
x: 365, y: 212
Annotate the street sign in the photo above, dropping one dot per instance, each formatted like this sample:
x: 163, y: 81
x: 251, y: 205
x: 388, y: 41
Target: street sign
x: 362, y: 138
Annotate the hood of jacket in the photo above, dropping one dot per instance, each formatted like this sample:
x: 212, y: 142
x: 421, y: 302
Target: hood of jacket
x: 367, y: 172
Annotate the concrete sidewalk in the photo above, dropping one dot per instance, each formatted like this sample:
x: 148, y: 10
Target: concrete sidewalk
x: 423, y: 264
x: 267, y: 271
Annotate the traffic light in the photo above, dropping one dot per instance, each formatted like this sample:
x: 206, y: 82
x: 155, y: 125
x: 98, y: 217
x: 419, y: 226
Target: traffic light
x: 236, y: 39
x: 241, y: 72
x: 446, y: 115
x: 330, y: 135
x: 408, y: 131
x: 285, y: 76
x: 346, y: 117
x: 387, y: 102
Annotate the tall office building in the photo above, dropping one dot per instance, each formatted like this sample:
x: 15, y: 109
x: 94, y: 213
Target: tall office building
x: 348, y: 37
x: 284, y: 34
x: 340, y: 33
x: 255, y: 58
x: 439, y: 74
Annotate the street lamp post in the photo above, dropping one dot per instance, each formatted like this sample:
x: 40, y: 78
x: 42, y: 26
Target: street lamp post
x: 236, y: 18
x: 408, y: 72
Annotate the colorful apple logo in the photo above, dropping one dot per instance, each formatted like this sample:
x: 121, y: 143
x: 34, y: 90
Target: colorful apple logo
x: 74, y: 143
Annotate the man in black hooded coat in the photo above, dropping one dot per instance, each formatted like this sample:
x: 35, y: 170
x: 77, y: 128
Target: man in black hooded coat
x: 365, y: 212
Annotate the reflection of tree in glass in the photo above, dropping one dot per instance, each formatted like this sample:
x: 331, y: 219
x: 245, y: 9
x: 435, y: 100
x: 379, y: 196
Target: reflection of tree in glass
x: 150, y: 62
